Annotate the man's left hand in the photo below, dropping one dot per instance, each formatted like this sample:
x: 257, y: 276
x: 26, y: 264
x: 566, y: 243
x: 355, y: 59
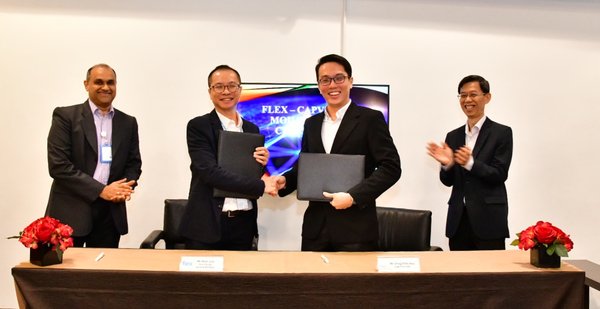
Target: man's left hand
x: 261, y: 154
x: 340, y: 200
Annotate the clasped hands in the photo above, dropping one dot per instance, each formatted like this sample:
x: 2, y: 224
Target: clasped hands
x: 339, y: 200
x: 273, y: 184
x: 444, y: 154
x: 261, y: 155
x: 118, y: 191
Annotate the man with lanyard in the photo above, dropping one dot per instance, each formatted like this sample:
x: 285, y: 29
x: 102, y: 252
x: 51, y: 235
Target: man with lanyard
x: 94, y: 160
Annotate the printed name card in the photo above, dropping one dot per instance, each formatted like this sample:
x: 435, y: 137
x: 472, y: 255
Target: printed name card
x: 201, y: 263
x: 389, y: 264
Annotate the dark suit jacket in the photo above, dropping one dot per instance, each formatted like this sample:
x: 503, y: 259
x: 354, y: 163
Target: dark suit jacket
x: 483, y: 187
x: 201, y: 221
x: 362, y: 131
x: 72, y: 159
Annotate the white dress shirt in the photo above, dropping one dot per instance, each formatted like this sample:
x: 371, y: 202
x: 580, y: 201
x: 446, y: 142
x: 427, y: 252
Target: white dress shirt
x: 471, y: 139
x: 330, y: 127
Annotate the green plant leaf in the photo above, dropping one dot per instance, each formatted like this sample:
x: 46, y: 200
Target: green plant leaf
x: 561, y: 250
x: 551, y: 249
x: 515, y: 242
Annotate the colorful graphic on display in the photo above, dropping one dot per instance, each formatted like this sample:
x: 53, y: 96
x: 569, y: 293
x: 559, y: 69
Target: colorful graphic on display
x: 279, y: 110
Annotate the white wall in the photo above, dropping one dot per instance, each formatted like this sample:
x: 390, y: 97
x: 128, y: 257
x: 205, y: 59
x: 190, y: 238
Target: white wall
x: 541, y: 58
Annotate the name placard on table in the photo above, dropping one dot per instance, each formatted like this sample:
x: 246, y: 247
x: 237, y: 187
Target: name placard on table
x: 385, y: 264
x: 201, y: 263
x: 390, y: 264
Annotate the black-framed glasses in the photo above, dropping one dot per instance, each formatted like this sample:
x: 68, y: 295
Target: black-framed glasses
x: 220, y: 87
x: 338, y: 79
x: 472, y: 96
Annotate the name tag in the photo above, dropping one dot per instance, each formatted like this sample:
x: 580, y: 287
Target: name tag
x: 106, y: 154
x: 390, y: 264
x: 201, y: 263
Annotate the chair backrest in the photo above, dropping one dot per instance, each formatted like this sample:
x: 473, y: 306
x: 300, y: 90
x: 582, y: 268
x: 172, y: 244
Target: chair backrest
x: 174, y: 209
x: 403, y: 229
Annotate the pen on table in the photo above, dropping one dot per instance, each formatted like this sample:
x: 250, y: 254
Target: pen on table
x: 325, y: 259
x: 99, y: 257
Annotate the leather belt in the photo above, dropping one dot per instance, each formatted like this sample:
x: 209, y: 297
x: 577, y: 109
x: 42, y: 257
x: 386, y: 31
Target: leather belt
x: 234, y: 213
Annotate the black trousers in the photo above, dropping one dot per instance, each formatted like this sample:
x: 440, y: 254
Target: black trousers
x: 465, y: 238
x: 104, y: 233
x: 323, y: 243
x: 238, y: 230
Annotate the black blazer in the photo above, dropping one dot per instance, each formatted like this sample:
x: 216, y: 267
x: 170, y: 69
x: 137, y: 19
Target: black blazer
x: 72, y: 159
x: 362, y: 131
x: 483, y: 187
x: 201, y: 221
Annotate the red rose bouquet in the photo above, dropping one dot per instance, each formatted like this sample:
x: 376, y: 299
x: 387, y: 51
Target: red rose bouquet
x: 544, y: 234
x: 46, y: 231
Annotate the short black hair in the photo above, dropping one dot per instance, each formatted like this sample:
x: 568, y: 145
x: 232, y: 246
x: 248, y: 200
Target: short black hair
x: 99, y: 65
x: 337, y: 59
x: 483, y: 84
x: 223, y: 67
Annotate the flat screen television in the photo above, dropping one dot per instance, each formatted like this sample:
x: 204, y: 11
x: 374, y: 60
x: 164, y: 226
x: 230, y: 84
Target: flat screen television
x: 279, y: 110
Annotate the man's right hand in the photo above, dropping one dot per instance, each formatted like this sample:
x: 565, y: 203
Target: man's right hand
x: 270, y: 185
x: 441, y: 153
x: 118, y: 191
x: 280, y: 182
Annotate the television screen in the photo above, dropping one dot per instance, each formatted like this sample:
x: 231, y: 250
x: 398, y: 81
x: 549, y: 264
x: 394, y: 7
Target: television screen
x: 279, y: 110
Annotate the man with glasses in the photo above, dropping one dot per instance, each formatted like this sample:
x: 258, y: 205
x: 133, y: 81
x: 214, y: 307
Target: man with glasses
x: 349, y: 221
x: 217, y: 223
x: 475, y: 159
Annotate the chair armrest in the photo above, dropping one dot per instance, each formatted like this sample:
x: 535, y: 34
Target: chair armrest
x: 435, y: 248
x: 153, y: 238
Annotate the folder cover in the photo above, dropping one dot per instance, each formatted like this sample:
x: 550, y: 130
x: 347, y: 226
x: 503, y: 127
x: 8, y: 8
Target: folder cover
x: 234, y: 154
x: 322, y: 172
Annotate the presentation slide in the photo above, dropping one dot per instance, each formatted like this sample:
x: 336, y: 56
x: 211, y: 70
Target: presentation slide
x: 279, y: 110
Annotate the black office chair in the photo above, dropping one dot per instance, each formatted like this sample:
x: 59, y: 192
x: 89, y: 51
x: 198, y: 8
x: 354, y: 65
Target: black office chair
x: 403, y: 229
x: 174, y: 210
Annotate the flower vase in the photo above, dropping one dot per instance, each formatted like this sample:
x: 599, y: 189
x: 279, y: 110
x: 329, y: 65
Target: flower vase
x: 44, y: 256
x: 539, y: 258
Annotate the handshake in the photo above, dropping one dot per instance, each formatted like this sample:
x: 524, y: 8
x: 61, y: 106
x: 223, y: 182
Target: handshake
x: 273, y: 184
x: 339, y: 200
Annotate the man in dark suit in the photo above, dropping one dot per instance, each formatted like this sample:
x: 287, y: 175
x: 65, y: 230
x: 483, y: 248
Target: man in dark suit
x: 349, y: 221
x: 475, y: 159
x: 217, y: 223
x: 94, y: 159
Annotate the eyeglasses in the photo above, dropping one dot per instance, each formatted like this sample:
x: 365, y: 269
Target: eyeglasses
x: 338, y: 79
x: 220, y: 87
x: 472, y: 96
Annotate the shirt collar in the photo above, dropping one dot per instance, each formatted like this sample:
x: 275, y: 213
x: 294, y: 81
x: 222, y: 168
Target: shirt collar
x: 228, y: 123
x: 339, y: 115
x: 477, y: 127
x: 96, y: 110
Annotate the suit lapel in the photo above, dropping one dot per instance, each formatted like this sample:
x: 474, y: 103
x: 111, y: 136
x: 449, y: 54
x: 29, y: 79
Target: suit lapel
x: 117, y: 133
x: 483, y: 136
x: 89, y: 128
x: 348, y: 124
x: 314, y: 131
x: 215, y: 124
x: 246, y: 126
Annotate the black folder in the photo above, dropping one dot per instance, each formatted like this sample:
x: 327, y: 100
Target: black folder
x: 322, y: 172
x: 235, y: 154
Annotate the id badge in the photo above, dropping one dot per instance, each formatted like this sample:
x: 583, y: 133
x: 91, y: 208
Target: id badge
x: 106, y: 154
